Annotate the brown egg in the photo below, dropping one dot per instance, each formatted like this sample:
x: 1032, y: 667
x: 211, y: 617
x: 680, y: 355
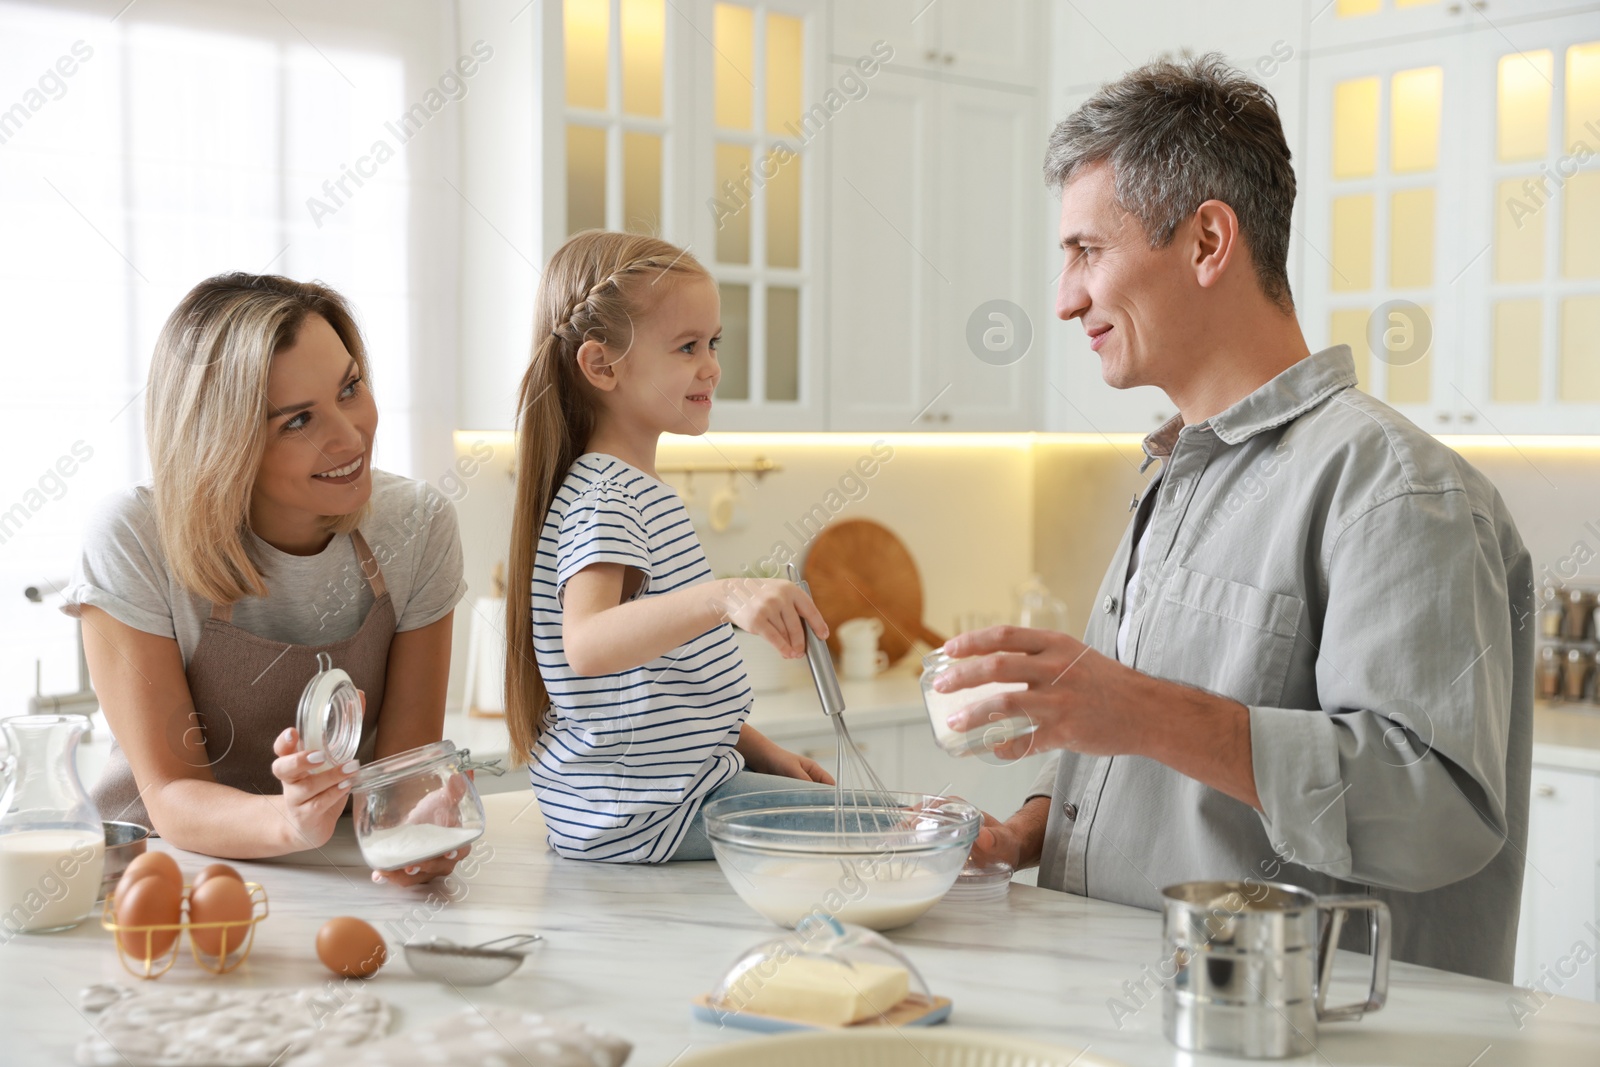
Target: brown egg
x: 219, y: 900
x: 148, y: 902
x: 216, y: 870
x: 350, y: 947
x: 146, y: 864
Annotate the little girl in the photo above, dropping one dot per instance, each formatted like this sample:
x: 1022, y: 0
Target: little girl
x: 625, y: 688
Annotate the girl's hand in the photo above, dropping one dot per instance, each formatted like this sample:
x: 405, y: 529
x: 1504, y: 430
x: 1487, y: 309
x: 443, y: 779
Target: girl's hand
x: 313, y: 793
x: 770, y: 759
x: 771, y: 608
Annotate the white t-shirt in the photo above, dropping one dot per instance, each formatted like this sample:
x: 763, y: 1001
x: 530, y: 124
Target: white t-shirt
x: 624, y: 760
x: 312, y: 600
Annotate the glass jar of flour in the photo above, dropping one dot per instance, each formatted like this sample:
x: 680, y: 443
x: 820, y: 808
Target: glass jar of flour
x: 942, y: 705
x: 415, y: 805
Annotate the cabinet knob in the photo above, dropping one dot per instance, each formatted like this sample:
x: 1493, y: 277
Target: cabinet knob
x: 932, y: 56
x: 949, y: 58
x: 1443, y: 416
x: 1545, y: 791
x: 1467, y: 416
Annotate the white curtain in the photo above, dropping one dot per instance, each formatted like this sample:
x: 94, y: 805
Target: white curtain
x: 145, y: 147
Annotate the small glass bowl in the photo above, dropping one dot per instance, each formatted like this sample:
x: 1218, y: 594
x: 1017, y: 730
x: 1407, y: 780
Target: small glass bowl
x: 943, y: 705
x: 415, y: 805
x: 790, y: 853
x: 981, y: 884
x: 329, y: 715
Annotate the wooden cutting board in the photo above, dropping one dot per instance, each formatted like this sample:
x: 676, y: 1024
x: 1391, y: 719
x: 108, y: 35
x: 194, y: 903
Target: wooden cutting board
x: 859, y: 569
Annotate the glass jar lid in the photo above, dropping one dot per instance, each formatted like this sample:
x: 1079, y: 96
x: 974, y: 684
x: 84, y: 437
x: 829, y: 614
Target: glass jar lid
x: 329, y: 715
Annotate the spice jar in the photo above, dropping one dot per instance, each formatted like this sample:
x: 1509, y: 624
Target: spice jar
x: 1578, y: 604
x: 1576, y: 674
x: 1548, y: 673
x: 329, y: 715
x: 415, y: 805
x: 942, y: 705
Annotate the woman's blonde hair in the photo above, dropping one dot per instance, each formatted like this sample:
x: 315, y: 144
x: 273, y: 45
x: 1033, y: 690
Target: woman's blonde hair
x: 206, y: 420
x: 596, y: 284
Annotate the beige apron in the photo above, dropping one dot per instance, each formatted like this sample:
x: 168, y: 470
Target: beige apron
x: 246, y: 690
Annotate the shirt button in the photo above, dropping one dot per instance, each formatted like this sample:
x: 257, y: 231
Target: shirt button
x: 1070, y: 810
x: 1110, y: 605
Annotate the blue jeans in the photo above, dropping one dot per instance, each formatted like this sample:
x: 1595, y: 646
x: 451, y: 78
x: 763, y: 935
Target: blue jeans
x: 695, y: 845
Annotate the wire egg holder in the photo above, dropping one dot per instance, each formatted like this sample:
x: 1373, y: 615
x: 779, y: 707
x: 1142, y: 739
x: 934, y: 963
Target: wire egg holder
x: 147, y: 967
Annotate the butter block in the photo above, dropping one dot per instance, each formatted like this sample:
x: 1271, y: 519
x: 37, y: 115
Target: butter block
x: 824, y: 992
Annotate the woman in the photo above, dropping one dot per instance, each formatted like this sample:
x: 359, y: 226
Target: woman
x: 263, y: 539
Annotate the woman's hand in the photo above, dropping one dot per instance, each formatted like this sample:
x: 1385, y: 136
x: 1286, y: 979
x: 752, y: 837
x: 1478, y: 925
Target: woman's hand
x: 425, y: 871
x: 438, y: 808
x: 774, y: 609
x: 313, y: 793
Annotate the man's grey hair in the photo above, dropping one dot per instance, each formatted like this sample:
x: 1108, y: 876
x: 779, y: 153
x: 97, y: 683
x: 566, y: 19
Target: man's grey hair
x: 1178, y: 134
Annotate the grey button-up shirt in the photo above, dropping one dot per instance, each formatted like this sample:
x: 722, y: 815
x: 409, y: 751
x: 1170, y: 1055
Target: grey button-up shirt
x: 1362, y: 589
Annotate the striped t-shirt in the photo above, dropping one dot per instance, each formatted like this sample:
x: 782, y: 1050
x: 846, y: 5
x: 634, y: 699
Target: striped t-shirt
x: 624, y: 761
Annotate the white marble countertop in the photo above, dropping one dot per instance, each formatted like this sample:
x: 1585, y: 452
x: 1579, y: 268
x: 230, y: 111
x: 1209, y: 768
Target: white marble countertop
x: 630, y: 946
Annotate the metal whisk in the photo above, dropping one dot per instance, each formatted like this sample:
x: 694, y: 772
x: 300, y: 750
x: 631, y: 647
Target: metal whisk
x: 861, y: 801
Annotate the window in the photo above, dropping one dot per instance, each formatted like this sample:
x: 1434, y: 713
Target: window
x: 143, y: 153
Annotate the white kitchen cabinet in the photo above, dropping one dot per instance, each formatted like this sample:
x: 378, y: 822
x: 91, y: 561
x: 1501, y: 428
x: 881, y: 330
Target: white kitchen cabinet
x: 1556, y: 943
x: 1452, y: 188
x: 1351, y: 23
x: 935, y: 211
x: 879, y: 745
x: 988, y: 40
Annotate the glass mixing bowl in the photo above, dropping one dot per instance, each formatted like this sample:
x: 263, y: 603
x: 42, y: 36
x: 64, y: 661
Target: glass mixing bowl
x: 877, y: 860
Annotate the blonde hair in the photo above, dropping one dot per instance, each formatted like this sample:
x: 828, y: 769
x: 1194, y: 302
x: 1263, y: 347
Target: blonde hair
x: 206, y: 420
x: 596, y: 284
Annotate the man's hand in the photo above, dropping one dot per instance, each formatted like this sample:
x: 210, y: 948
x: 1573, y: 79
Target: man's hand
x: 1017, y: 841
x: 1089, y: 703
x: 1078, y: 699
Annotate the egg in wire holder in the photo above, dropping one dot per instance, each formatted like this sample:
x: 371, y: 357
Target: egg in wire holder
x: 234, y: 938
x: 329, y: 715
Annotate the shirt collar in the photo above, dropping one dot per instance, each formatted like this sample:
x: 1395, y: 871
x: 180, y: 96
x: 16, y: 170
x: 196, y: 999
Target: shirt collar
x: 1285, y: 398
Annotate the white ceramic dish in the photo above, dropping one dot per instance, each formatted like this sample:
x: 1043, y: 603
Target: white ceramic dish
x: 893, y: 1048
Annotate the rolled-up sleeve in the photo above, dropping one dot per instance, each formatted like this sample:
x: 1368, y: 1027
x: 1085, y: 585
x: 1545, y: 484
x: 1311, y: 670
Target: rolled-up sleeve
x: 1400, y: 779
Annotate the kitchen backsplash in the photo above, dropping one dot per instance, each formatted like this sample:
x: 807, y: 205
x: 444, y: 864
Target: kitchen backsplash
x: 980, y: 513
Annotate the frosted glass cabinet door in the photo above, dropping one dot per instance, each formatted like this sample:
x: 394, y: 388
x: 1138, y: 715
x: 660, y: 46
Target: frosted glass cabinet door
x: 1383, y: 249
x: 760, y: 145
x: 1533, y: 188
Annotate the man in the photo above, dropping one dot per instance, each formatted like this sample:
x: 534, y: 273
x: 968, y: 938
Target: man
x: 1310, y: 659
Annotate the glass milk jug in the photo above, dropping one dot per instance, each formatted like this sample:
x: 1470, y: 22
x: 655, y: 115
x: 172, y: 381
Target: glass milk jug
x: 52, y: 843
